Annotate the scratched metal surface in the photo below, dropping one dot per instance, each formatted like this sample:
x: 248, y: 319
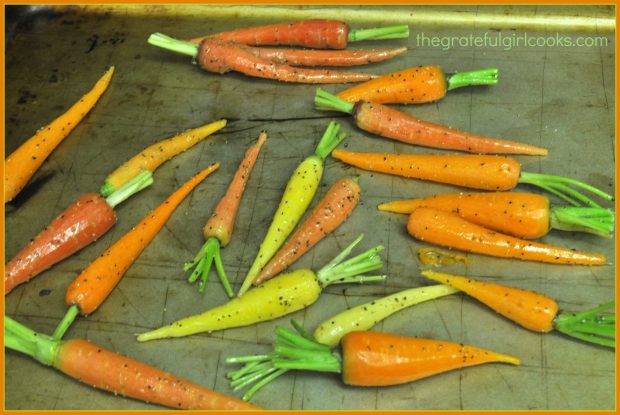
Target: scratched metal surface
x: 562, y: 99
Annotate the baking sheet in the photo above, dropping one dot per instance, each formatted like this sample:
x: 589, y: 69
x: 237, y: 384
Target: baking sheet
x: 559, y: 98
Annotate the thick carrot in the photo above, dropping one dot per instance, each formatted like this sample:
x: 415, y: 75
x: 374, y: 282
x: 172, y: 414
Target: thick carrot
x: 84, y: 221
x: 535, y: 311
x: 109, y: 371
x: 312, y: 33
x: 484, y: 172
x: 219, y: 56
x: 391, y: 123
x: 525, y: 215
x: 367, y: 359
x: 448, y: 229
x: 416, y: 85
x: 304, y: 57
x: 155, y: 155
x: 329, y: 213
x: 26, y: 160
x: 219, y: 228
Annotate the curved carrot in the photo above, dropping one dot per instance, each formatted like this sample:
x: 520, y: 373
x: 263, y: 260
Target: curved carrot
x: 26, y: 160
x: 484, y: 172
x: 535, y: 311
x: 525, y: 215
x: 109, y: 371
x: 304, y: 57
x: 311, y: 33
x: 219, y: 228
x: 391, y: 123
x: 450, y: 230
x: 416, y: 85
x: 219, y: 56
x: 335, y: 207
x: 155, y: 155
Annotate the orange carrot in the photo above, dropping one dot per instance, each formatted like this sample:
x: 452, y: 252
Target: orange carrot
x: 391, y: 123
x: 21, y: 165
x: 448, y: 229
x: 525, y: 215
x: 535, y: 311
x: 329, y: 213
x: 417, y: 85
x: 484, y: 172
x: 109, y: 371
x: 305, y: 57
x: 219, y: 227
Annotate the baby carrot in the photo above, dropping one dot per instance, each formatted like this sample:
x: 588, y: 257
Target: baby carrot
x: 21, y: 165
x: 90, y: 289
x: 329, y: 213
x: 448, y: 229
x: 219, y: 227
x: 391, y: 123
x: 109, y: 371
x: 416, y: 85
x: 485, y: 172
x: 311, y: 33
x: 305, y: 57
x: 521, y: 214
x: 155, y: 155
x: 219, y: 56
x: 535, y: 311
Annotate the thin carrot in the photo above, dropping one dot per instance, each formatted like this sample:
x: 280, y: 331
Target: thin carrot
x: 535, y: 311
x: 93, y: 285
x: 521, y: 214
x: 219, y: 228
x: 311, y: 33
x: 21, y: 165
x: 219, y: 56
x: 305, y: 57
x: 418, y: 85
x: 391, y: 123
x: 335, y: 207
x: 109, y: 371
x: 367, y: 359
x: 155, y: 155
x: 448, y: 229
x: 484, y: 172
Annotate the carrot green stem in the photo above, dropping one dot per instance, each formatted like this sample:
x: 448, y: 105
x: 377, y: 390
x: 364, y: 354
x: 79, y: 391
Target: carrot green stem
x: 329, y: 140
x: 37, y: 345
x: 166, y: 42
x: 559, y: 186
x: 208, y: 254
x: 377, y: 33
x: 480, y: 77
x: 598, y: 221
x: 325, y: 101
x: 141, y: 181
x: 66, y: 322
x: 591, y: 325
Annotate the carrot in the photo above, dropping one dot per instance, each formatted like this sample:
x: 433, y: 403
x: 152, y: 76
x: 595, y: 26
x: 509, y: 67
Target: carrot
x: 367, y: 359
x: 21, y: 165
x: 297, y: 196
x: 219, y: 228
x: 534, y: 311
x: 391, y: 123
x: 329, y: 213
x: 525, y: 215
x: 155, y: 155
x: 418, y: 85
x: 448, y: 229
x: 109, y: 371
x: 304, y: 57
x: 483, y: 172
x: 90, y: 289
x: 276, y: 297
x: 313, y: 33
x: 216, y: 55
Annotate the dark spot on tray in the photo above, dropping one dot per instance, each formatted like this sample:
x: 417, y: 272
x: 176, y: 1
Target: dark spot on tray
x: 45, y: 292
x: 92, y: 42
x: 25, y: 96
x: 31, y: 188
